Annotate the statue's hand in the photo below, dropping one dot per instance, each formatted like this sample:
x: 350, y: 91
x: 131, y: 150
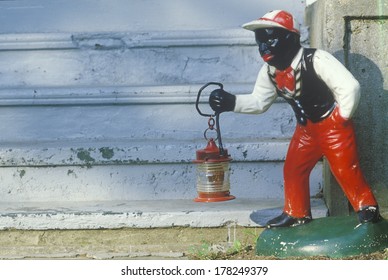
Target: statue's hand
x: 222, y: 101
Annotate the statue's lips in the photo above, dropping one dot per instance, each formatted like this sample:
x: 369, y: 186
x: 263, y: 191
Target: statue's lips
x: 267, y: 57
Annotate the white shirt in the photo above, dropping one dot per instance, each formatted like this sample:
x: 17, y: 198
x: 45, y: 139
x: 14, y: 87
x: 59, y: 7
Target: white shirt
x: 344, y: 86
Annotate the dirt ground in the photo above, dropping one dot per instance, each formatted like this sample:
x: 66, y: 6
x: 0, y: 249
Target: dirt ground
x: 227, y: 243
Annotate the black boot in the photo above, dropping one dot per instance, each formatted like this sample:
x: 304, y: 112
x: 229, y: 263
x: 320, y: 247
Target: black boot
x: 285, y: 220
x: 369, y: 214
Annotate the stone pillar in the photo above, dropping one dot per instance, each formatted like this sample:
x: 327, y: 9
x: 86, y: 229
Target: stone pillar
x: 356, y: 33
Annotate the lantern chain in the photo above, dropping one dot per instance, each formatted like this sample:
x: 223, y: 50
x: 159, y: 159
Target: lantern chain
x: 211, y: 123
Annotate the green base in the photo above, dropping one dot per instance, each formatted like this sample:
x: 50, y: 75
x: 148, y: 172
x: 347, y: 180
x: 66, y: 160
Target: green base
x: 334, y: 237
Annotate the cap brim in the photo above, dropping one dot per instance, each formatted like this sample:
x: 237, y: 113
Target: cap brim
x: 260, y: 24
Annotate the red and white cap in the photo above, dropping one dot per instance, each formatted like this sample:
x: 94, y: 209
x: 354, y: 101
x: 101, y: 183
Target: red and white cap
x: 277, y: 18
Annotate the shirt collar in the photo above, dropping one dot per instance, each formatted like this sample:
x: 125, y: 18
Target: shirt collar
x: 295, y: 62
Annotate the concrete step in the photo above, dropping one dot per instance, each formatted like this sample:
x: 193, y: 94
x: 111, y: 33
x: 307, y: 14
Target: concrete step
x: 140, y: 147
x: 142, y: 214
x: 137, y: 229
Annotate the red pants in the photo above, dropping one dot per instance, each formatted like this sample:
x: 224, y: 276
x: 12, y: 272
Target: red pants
x: 333, y: 138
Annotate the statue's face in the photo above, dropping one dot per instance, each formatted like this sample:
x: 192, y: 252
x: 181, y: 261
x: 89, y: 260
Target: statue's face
x: 277, y: 46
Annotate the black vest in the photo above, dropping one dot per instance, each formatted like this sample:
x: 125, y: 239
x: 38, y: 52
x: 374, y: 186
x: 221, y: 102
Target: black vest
x: 313, y: 99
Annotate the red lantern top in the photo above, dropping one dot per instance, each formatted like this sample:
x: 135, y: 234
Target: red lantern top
x: 211, y: 153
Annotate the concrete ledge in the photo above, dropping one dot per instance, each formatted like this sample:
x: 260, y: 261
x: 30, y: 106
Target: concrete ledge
x: 119, y: 40
x: 110, y: 95
x: 140, y: 214
x: 132, y: 152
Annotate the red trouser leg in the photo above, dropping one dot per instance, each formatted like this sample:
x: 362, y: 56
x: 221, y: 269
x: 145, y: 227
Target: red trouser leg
x: 335, y: 139
x: 340, y: 149
x: 303, y: 153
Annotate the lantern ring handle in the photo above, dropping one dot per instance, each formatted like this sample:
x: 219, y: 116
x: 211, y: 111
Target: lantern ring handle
x: 199, y: 95
x: 205, y: 132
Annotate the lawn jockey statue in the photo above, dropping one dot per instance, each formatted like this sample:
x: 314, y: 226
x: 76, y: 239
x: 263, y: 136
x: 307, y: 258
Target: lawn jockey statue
x: 323, y: 95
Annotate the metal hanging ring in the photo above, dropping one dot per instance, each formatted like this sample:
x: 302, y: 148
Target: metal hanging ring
x: 211, y: 122
x: 205, y: 132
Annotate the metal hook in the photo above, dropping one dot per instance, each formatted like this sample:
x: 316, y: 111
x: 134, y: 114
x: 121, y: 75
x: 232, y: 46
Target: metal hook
x: 217, y: 115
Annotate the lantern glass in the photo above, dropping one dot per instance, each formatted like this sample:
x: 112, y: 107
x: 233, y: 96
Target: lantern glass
x: 213, y: 182
x: 213, y: 177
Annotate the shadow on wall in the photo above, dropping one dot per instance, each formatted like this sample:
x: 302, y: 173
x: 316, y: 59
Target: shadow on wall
x: 371, y: 120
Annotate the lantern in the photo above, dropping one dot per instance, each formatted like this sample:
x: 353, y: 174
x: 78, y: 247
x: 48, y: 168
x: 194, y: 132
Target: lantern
x: 212, y: 164
x: 213, y: 182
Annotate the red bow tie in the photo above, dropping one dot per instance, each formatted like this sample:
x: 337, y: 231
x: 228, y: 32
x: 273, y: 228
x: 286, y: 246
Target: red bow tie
x: 285, y: 79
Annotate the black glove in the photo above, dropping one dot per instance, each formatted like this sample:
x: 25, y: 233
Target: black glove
x: 222, y: 101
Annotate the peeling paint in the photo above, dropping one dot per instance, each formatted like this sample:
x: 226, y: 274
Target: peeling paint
x: 106, y: 152
x: 71, y: 172
x: 22, y: 173
x: 245, y: 153
x: 85, y: 156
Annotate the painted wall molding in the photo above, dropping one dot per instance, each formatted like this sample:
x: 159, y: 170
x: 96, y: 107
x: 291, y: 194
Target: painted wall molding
x: 122, y: 95
x: 131, y: 152
x: 118, y: 40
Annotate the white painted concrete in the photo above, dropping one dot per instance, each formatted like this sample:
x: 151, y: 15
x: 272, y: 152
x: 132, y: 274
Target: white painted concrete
x: 142, y: 214
x: 97, y: 101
